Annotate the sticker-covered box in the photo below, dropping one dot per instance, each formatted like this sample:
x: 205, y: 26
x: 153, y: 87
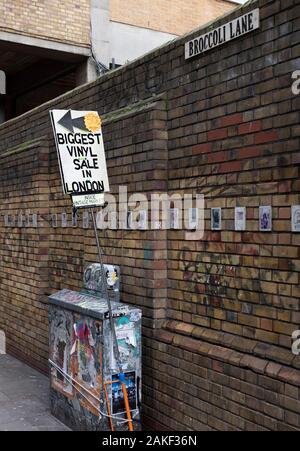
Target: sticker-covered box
x: 85, y: 391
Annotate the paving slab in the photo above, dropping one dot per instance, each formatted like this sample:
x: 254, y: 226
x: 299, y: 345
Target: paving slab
x: 24, y: 398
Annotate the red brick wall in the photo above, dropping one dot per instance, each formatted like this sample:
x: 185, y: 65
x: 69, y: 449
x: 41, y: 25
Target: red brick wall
x: 218, y: 312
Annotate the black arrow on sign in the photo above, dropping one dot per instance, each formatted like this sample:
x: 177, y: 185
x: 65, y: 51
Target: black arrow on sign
x: 69, y: 123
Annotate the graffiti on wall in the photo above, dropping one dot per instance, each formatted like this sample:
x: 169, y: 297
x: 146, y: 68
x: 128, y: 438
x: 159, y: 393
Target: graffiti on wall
x: 17, y: 250
x: 209, y: 279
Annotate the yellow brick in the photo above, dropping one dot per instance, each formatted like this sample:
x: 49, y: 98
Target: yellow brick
x: 56, y: 20
x: 170, y: 16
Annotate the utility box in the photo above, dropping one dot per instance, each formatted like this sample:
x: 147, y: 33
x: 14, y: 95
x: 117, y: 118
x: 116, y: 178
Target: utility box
x: 93, y: 284
x: 85, y: 391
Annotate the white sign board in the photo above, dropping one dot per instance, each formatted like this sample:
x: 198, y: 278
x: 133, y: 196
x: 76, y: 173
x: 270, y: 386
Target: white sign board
x: 88, y: 200
x: 81, y: 154
x: 221, y: 35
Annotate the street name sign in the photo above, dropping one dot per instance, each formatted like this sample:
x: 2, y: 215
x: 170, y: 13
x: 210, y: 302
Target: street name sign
x: 221, y: 35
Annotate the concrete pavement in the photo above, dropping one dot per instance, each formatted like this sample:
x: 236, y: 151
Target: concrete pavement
x: 24, y: 399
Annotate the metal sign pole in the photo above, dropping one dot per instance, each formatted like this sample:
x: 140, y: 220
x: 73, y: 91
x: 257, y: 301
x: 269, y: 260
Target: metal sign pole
x: 112, y: 325
x: 106, y: 294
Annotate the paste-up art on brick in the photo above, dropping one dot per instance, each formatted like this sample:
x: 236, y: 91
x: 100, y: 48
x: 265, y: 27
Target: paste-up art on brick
x: 296, y: 218
x: 216, y: 218
x: 174, y: 218
x: 193, y: 218
x: 265, y: 219
x: 240, y: 219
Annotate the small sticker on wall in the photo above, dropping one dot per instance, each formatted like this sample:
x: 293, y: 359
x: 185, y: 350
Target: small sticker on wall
x: 74, y: 219
x: 85, y: 220
x: 193, y: 218
x: 296, y: 218
x: 6, y: 220
x: 141, y: 219
x: 265, y: 219
x: 31, y: 220
x: 240, y: 219
x: 174, y: 218
x: 28, y: 220
x: 64, y: 219
x: 216, y: 218
x: 129, y: 220
x: 34, y: 220
x: 20, y: 220
x: 137, y: 220
x: 54, y: 220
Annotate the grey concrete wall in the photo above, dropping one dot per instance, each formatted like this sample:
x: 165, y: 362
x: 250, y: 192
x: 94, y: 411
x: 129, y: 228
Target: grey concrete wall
x: 100, y: 31
x: 118, y: 41
x: 128, y: 42
x: 43, y: 43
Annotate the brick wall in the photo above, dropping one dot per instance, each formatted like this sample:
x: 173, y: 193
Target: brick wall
x: 171, y: 16
x: 24, y: 270
x: 218, y: 312
x: 70, y: 19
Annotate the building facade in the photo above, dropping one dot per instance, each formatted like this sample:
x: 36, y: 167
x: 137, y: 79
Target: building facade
x: 49, y: 47
x: 138, y: 26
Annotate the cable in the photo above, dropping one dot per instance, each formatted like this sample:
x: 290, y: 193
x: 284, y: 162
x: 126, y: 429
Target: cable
x: 101, y: 68
x: 71, y: 379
